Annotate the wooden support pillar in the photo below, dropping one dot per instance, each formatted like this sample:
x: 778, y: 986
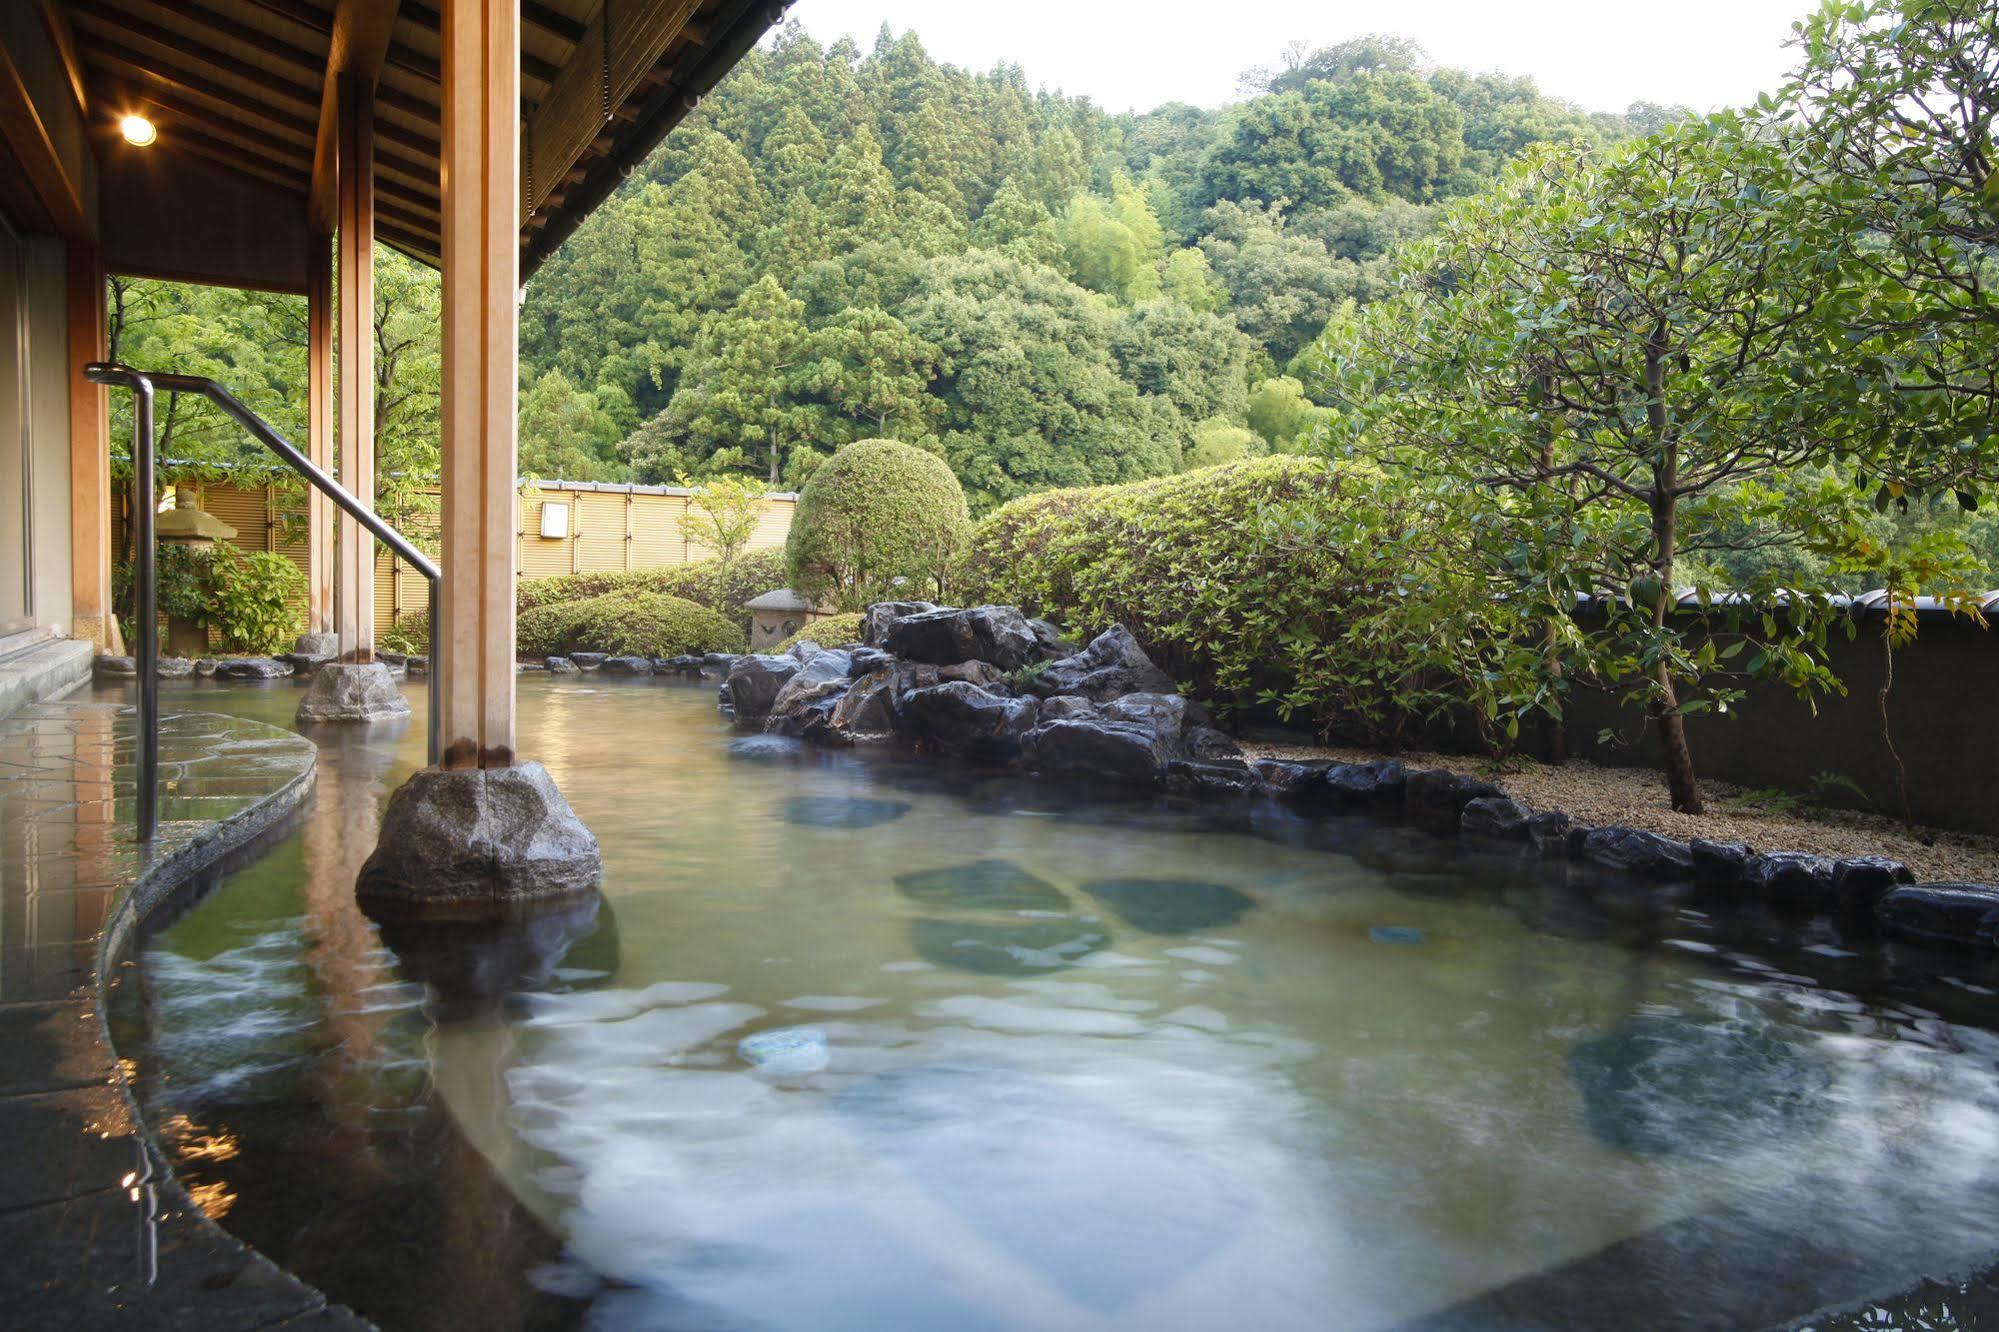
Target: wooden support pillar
x: 473, y: 644
x: 355, y: 588
x: 321, y: 516
x: 92, y: 616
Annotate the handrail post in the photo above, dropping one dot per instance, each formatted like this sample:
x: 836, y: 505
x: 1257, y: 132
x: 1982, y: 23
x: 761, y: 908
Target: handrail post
x: 145, y: 589
x: 431, y: 674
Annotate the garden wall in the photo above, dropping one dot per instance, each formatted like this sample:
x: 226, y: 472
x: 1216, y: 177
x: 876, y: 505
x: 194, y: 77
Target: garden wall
x: 1943, y: 713
x: 609, y: 527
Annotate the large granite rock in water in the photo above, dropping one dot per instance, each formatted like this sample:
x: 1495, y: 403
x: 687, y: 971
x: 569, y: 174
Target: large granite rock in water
x: 754, y: 683
x: 805, y: 705
x: 1112, y: 666
x: 1000, y: 635
x: 961, y: 718
x: 478, y: 842
x: 350, y: 692
x: 251, y: 668
x: 317, y: 645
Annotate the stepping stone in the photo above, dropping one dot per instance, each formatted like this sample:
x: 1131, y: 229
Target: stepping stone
x: 843, y: 811
x: 1171, y: 906
x: 984, y: 885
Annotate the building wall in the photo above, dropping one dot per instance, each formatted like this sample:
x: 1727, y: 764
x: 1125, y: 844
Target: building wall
x: 48, y: 430
x: 610, y: 528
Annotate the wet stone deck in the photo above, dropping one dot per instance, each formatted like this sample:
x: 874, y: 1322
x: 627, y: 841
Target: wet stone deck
x: 94, y: 1230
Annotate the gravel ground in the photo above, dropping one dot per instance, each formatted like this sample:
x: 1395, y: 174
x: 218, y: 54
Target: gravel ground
x: 1636, y: 798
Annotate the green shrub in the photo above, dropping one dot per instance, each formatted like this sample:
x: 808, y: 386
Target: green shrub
x: 409, y: 635
x: 722, y: 587
x: 874, y: 513
x: 625, y: 623
x: 827, y: 631
x: 1331, y: 592
x: 248, y: 600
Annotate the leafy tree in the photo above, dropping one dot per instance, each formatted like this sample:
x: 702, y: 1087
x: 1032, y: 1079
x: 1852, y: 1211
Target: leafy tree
x: 1384, y: 133
x: 872, y: 374
x: 1018, y: 226
x: 739, y: 401
x: 1098, y: 251
x: 1282, y: 287
x: 1189, y: 280
x: 1198, y: 362
x: 1216, y: 441
x: 565, y: 433
x: 723, y: 513
x: 876, y: 513
x: 1282, y: 415
x: 1612, y: 346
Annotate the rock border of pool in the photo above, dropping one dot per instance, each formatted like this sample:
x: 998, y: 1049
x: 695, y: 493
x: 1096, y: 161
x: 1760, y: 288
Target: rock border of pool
x: 987, y: 683
x: 117, y: 1235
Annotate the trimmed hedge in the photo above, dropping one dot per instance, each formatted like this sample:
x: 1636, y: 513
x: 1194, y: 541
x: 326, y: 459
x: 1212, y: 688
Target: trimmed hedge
x: 1328, y: 591
x: 875, y: 514
x: 829, y: 631
x: 720, y: 587
x: 625, y: 623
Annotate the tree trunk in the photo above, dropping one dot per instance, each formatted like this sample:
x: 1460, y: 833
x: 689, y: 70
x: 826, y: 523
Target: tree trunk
x: 1679, y: 756
x: 773, y: 457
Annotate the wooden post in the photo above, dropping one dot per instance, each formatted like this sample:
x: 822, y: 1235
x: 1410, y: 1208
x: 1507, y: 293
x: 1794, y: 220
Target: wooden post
x: 355, y: 591
x: 92, y: 615
x: 320, y: 513
x: 473, y: 645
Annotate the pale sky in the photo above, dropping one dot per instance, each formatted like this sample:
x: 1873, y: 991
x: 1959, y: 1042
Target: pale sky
x: 1136, y: 54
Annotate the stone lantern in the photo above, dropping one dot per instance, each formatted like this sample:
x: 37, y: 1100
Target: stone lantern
x: 187, y: 524
x: 777, y: 615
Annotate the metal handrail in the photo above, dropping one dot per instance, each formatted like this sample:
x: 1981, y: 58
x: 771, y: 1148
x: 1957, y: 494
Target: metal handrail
x: 144, y: 384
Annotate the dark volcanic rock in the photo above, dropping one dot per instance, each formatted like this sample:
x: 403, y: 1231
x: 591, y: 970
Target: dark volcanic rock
x: 1208, y: 745
x: 958, y: 717
x: 805, y: 705
x: 1283, y: 778
x: 106, y: 664
x: 1941, y: 915
x: 1721, y: 866
x: 1791, y: 881
x: 1375, y: 783
x: 1202, y: 777
x: 868, y: 660
x: 1859, y: 884
x: 753, y: 685
x: 1548, y: 831
x: 560, y: 666
x: 1436, y: 793
x: 588, y: 661
x: 477, y: 842
x: 251, y: 668
x: 627, y: 666
x: 1096, y: 749
x: 1638, y: 852
x: 878, y: 617
x: 687, y: 666
x: 173, y: 668
x: 867, y: 710
x: 1000, y: 635
x: 1495, y: 816
x: 305, y: 663
x: 204, y: 667
x: 1112, y: 666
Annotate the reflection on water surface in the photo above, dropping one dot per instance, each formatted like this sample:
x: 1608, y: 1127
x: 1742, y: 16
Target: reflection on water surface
x: 864, y: 1043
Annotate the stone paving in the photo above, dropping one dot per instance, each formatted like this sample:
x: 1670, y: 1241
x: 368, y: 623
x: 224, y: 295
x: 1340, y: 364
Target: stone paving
x: 94, y: 1230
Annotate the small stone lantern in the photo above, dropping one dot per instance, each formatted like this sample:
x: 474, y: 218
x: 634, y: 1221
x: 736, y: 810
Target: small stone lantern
x: 776, y: 616
x: 187, y: 524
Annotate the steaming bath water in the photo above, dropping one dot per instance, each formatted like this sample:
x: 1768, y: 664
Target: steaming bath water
x: 863, y: 1042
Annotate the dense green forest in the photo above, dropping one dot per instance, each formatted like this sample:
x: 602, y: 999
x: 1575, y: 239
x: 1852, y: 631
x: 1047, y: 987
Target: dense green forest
x: 843, y: 243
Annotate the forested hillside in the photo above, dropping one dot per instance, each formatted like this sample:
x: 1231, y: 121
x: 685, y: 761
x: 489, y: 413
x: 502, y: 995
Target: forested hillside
x: 841, y: 244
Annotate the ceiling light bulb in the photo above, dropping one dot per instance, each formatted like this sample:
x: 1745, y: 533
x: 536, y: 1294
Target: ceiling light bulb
x: 138, y: 131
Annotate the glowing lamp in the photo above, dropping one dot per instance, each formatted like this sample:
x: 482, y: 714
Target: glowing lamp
x: 138, y: 131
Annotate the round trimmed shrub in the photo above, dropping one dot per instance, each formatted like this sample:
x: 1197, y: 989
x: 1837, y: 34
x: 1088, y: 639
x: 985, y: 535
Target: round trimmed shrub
x: 828, y: 631
x: 718, y: 586
x: 876, y: 513
x: 626, y: 624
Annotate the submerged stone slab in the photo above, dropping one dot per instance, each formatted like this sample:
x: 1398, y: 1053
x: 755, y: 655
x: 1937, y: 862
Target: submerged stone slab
x: 352, y: 692
x: 843, y: 811
x: 1011, y: 949
x: 983, y: 885
x: 471, y: 842
x: 1171, y: 906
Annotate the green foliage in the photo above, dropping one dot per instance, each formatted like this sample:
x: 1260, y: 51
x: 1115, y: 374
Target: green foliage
x: 827, y: 631
x: 876, y: 513
x: 723, y: 514
x: 249, y: 600
x: 1336, y: 594
x: 629, y: 622
x: 721, y: 587
x: 1280, y: 413
x: 409, y: 635
x: 1216, y: 441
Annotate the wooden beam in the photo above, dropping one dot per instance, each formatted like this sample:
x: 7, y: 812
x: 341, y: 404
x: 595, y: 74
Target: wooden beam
x: 354, y: 594
x: 358, y: 46
x: 59, y: 32
x: 606, y: 68
x: 22, y: 126
x: 320, y: 513
x: 92, y: 615
x: 190, y: 66
x: 473, y: 643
